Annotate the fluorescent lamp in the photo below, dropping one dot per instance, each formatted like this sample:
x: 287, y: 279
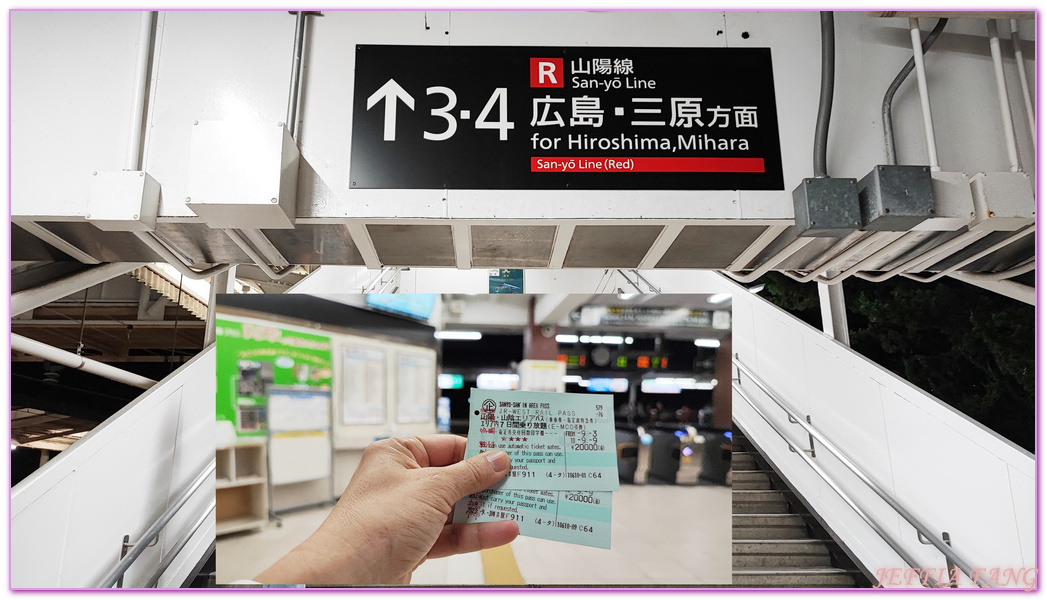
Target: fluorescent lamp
x: 612, y: 339
x: 628, y: 340
x: 498, y: 381
x: 719, y: 298
x: 571, y: 378
x: 458, y: 335
x: 584, y: 383
x: 584, y: 339
x: 707, y: 343
x: 567, y: 339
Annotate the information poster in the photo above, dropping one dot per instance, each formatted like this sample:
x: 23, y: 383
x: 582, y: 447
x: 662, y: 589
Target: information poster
x: 555, y: 118
x: 363, y: 386
x: 253, y: 357
x: 416, y: 388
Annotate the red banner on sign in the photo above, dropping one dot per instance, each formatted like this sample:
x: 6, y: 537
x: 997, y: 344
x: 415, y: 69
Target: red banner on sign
x: 644, y: 164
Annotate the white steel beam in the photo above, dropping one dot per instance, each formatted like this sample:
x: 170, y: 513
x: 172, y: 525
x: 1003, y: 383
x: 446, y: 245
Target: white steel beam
x: 769, y: 235
x: 362, y: 241
x: 52, y: 239
x: 552, y: 307
x: 561, y: 242
x: 49, y: 292
x: 661, y: 244
x: 462, y: 236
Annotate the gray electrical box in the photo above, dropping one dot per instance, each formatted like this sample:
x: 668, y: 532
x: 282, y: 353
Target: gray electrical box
x: 826, y: 207
x: 896, y: 197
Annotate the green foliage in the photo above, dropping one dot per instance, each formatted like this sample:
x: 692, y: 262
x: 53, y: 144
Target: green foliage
x: 970, y: 348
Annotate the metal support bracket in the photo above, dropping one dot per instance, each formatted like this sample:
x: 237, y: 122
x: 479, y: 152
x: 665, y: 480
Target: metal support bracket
x: 950, y: 566
x: 127, y: 545
x: 810, y: 437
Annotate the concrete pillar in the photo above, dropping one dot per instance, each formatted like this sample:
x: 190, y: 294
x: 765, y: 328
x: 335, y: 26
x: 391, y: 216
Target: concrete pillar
x: 537, y: 345
x: 722, y: 391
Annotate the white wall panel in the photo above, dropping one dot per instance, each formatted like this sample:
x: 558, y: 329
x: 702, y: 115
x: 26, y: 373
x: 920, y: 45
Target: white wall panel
x: 212, y: 66
x: 117, y: 480
x: 72, y: 74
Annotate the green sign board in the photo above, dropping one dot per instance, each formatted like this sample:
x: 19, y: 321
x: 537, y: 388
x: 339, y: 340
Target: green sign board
x: 252, y: 357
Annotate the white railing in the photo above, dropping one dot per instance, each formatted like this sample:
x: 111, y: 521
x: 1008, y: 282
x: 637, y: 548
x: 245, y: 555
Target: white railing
x: 69, y: 519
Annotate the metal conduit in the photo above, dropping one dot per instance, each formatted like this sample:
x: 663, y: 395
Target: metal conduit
x: 925, y: 98
x: 869, y: 260
x: 948, y: 551
x: 1001, y: 94
x: 153, y: 531
x: 886, y: 537
x: 825, y: 96
x: 835, y: 261
x: 146, y: 37
x: 971, y: 259
x: 259, y: 262
x: 964, y: 239
x: 296, y: 74
x: 156, y: 245
x: 1023, y: 78
x: 769, y: 264
x: 888, y: 99
x: 75, y: 361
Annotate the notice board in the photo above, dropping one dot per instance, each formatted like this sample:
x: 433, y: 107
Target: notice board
x: 597, y: 118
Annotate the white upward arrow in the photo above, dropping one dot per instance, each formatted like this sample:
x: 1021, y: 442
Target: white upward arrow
x: 390, y: 92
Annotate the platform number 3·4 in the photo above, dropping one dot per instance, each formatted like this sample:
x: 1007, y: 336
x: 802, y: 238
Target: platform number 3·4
x: 392, y: 91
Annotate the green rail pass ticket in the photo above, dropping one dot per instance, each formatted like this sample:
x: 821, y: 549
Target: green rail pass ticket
x: 572, y: 517
x: 557, y: 442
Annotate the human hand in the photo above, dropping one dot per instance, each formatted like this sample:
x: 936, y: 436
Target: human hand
x: 396, y: 512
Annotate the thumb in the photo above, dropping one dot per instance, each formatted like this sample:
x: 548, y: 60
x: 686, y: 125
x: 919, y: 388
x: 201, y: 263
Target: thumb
x: 475, y: 474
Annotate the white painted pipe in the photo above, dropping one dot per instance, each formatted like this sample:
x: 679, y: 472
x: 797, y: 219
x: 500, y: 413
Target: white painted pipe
x: 925, y: 98
x: 961, y: 241
x: 771, y: 262
x: 27, y: 300
x: 872, y: 259
x: 257, y: 258
x: 1001, y: 94
x: 850, y: 251
x: 976, y: 257
x: 133, y: 161
x: 1019, y: 59
x: 75, y: 361
x: 172, y: 259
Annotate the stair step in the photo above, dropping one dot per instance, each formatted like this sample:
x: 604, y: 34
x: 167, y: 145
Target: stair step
x: 748, y: 561
x: 768, y: 527
x: 782, y: 554
x: 800, y: 546
x: 750, y: 480
x: 766, y: 519
x: 745, y: 501
x: 776, y: 577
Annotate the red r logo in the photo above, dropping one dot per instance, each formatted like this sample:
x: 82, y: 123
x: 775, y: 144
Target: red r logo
x: 547, y: 72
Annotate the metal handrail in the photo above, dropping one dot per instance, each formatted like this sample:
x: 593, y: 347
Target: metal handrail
x: 181, y: 543
x: 125, y: 563
x: 857, y: 471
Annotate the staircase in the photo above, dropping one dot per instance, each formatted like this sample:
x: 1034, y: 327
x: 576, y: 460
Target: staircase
x: 776, y: 543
